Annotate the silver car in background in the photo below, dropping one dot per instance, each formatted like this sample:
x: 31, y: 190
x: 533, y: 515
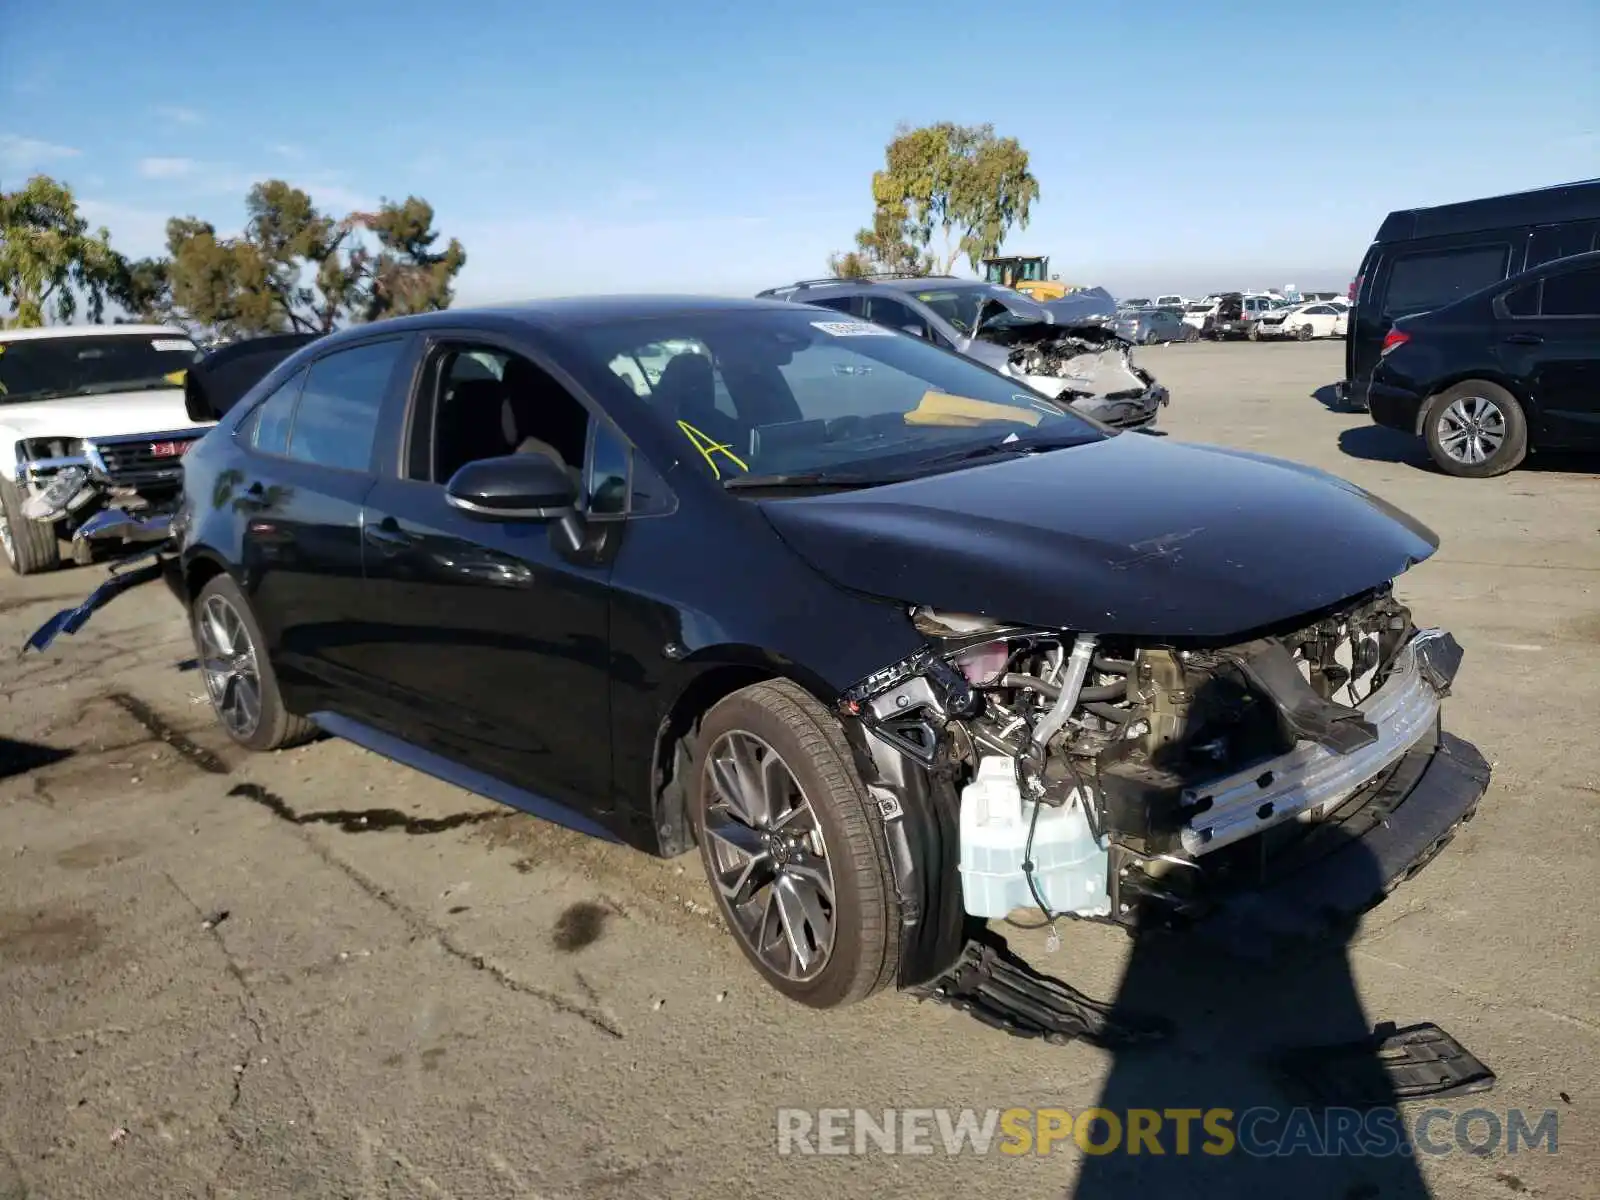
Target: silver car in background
x: 1147, y: 326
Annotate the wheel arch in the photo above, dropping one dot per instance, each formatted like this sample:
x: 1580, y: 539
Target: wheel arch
x: 201, y: 566
x: 1519, y: 393
x: 715, y: 673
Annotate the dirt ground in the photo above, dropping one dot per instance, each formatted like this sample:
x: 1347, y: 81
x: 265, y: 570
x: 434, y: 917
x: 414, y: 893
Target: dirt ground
x: 319, y: 974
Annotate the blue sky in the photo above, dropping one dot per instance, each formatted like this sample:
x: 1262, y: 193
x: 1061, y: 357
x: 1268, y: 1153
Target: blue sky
x: 689, y: 146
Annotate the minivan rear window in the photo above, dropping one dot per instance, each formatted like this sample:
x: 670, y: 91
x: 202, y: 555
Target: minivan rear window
x: 1429, y: 278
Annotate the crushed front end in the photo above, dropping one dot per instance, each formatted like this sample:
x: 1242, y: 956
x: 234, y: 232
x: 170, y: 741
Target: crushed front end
x: 1087, y: 366
x: 120, y: 488
x: 1259, y: 788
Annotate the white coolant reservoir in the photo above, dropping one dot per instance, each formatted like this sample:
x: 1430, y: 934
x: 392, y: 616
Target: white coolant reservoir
x: 1069, y: 863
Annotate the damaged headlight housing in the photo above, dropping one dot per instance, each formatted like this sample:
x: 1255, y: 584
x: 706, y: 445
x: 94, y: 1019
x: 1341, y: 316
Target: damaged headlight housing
x: 55, y: 494
x: 46, y: 448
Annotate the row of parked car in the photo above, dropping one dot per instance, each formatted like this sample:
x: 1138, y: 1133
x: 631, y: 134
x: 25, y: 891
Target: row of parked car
x: 1227, y: 315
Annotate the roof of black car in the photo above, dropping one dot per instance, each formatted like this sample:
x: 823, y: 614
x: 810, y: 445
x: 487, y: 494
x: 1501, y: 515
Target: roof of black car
x: 614, y: 307
x: 569, y: 311
x: 903, y: 283
x: 1575, y: 201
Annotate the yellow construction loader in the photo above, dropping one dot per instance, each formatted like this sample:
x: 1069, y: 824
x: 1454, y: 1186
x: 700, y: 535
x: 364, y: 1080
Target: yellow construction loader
x: 1028, y: 274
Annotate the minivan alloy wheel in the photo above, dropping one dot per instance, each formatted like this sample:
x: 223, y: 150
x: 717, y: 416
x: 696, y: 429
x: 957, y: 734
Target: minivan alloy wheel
x: 768, y: 856
x: 228, y: 662
x: 1471, y: 429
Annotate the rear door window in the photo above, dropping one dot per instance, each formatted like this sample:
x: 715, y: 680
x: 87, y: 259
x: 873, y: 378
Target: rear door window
x: 337, y: 419
x: 1427, y: 279
x: 271, y: 418
x: 1559, y: 241
x: 1572, y: 294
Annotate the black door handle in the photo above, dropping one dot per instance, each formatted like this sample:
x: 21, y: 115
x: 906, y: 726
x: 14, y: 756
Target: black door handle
x: 388, y: 535
x: 1525, y: 339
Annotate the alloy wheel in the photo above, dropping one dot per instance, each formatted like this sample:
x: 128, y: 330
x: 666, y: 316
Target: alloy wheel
x: 768, y: 859
x: 1472, y: 430
x: 228, y: 662
x: 7, y: 539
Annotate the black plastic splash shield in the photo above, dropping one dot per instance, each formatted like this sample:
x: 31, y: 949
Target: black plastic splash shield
x: 993, y: 985
x: 1418, y: 1062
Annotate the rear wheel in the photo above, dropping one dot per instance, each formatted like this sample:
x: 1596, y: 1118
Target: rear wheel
x: 793, y: 851
x: 1475, y: 430
x: 1255, y: 333
x: 30, y: 546
x: 239, y: 679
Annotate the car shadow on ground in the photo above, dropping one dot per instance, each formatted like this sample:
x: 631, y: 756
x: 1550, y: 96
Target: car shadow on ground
x: 1328, y: 396
x: 1375, y: 443
x: 1231, y: 1018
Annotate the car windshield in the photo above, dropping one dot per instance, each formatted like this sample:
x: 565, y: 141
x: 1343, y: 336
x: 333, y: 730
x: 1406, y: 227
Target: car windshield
x: 961, y: 306
x: 51, y: 367
x: 800, y: 393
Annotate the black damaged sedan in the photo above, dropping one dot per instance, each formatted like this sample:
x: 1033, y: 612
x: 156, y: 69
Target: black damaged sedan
x: 896, y: 644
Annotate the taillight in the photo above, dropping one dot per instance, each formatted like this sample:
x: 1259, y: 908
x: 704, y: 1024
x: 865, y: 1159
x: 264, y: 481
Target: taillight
x: 1355, y: 287
x: 1393, y: 340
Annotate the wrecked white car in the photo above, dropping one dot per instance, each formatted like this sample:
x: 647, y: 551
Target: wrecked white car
x: 93, y: 429
x: 1066, y: 349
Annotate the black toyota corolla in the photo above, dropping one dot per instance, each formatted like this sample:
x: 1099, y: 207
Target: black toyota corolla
x: 897, y: 643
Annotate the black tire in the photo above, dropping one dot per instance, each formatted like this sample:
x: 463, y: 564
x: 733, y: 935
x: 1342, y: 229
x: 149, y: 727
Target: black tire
x: 276, y: 728
x: 30, y: 547
x: 1441, y: 418
x: 1254, y: 334
x: 1303, y: 334
x: 865, y: 951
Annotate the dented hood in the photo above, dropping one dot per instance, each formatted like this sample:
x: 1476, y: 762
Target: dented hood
x: 1128, y: 536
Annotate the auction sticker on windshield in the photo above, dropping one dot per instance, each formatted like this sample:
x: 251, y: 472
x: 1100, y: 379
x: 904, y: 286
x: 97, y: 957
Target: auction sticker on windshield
x: 171, y: 344
x: 852, y: 329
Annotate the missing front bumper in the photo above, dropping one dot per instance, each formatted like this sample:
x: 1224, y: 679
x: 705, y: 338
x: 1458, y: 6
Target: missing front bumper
x: 1312, y: 779
x: 1418, y: 813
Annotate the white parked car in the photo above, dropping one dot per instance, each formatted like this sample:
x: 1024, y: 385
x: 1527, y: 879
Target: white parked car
x: 1196, y: 311
x: 93, y: 427
x: 1341, y: 323
x: 1301, y: 321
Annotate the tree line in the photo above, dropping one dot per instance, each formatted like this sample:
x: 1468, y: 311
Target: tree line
x: 294, y: 268
x: 945, y: 192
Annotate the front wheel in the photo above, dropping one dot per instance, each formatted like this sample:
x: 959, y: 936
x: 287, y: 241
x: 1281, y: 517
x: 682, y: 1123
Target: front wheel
x: 794, y: 853
x: 30, y: 546
x: 239, y: 679
x: 1303, y: 334
x: 1475, y: 430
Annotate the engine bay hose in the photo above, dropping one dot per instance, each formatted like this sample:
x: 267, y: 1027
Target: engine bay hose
x: 1074, y: 673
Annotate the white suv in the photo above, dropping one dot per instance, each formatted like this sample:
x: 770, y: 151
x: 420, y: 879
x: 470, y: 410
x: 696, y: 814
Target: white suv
x: 92, y: 418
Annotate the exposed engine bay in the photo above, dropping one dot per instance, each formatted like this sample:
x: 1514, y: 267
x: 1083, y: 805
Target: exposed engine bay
x: 1086, y: 365
x: 1121, y: 781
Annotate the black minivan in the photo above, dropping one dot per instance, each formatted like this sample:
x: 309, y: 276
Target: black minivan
x: 1423, y: 258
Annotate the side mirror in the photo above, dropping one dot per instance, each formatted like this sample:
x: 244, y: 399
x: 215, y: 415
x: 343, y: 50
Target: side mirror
x: 516, y: 487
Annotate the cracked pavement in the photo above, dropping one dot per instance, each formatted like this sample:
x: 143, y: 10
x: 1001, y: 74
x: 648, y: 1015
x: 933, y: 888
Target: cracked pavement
x: 319, y: 974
